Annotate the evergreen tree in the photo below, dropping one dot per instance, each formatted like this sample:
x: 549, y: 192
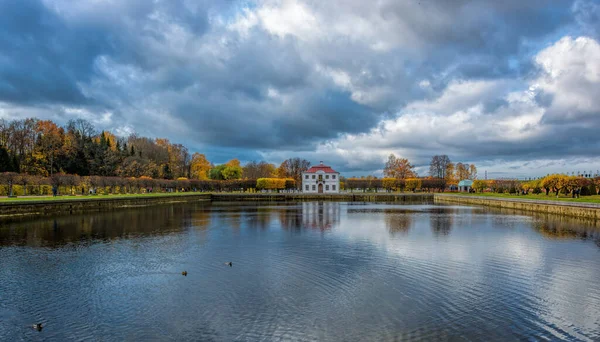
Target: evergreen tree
x: 16, y: 166
x: 6, y: 163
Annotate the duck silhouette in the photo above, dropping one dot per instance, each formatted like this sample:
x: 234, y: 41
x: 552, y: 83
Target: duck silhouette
x: 38, y: 326
x: 184, y: 273
x: 229, y: 263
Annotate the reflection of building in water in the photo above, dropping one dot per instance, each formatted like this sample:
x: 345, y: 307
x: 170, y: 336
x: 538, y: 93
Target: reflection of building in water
x: 398, y: 222
x: 320, y: 215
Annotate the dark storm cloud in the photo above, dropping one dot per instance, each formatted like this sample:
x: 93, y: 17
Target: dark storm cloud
x: 234, y: 78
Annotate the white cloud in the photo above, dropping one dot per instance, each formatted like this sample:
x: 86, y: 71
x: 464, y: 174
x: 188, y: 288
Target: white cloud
x: 456, y: 122
x: 572, y: 76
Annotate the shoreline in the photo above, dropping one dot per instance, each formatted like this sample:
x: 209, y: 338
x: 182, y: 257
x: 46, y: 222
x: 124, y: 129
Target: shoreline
x: 31, y: 207
x: 572, y: 209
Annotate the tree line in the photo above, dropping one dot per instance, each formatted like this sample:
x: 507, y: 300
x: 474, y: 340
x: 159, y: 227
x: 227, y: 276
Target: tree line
x: 15, y: 184
x: 42, y: 148
x: 555, y: 183
x: 440, y: 167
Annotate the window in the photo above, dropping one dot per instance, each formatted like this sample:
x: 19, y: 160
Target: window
x: 326, y: 187
x: 333, y: 187
x: 306, y: 187
x: 313, y: 176
x: 320, y: 177
x: 306, y: 177
x: 314, y: 187
x: 327, y: 177
x: 333, y: 176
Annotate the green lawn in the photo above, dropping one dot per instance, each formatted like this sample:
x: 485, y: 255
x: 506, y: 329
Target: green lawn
x: 551, y: 197
x: 93, y: 197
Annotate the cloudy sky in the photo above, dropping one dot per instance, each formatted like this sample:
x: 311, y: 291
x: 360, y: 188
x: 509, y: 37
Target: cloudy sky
x: 512, y: 86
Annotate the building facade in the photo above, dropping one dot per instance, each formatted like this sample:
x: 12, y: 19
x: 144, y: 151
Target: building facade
x: 321, y: 179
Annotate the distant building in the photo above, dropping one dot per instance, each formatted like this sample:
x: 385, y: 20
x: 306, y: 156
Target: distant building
x: 321, y: 179
x: 465, y: 185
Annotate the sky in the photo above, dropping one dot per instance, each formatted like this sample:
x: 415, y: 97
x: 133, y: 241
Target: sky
x: 512, y: 86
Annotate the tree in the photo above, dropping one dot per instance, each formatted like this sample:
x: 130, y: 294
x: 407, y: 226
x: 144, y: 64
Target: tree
x: 254, y: 170
x: 480, y: 185
x: 199, y: 167
x: 293, y: 168
x: 450, y: 175
x: 9, y: 178
x: 233, y: 162
x: 462, y: 171
x: 231, y: 172
x: 438, y: 166
x: 413, y: 184
x: 472, y: 172
x: 49, y: 142
x: 399, y: 168
x: 216, y: 172
x: 6, y: 162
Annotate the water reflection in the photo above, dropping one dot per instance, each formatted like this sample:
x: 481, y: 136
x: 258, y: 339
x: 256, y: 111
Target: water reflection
x: 320, y: 215
x: 65, y: 229
x: 386, y: 272
x: 397, y: 223
x: 441, y: 221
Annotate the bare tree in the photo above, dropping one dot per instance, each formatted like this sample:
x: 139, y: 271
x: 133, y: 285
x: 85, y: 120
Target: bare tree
x: 293, y: 168
x: 438, y: 166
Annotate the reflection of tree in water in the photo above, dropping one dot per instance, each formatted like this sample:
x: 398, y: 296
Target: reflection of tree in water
x: 290, y: 218
x: 441, y: 225
x: 562, y: 230
x: 320, y: 215
x: 260, y: 218
x: 564, y: 227
x: 398, y: 222
x: 441, y: 220
x: 61, y: 230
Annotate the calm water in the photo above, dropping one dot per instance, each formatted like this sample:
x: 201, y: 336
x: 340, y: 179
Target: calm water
x: 306, y: 271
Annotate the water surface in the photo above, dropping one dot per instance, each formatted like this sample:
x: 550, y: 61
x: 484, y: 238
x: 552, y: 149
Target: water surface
x: 303, y: 271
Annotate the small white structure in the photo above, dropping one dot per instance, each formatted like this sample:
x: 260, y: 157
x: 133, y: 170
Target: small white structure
x: 321, y: 179
x: 465, y: 185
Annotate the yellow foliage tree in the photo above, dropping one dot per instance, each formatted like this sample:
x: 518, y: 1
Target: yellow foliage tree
x: 413, y: 184
x: 480, y: 185
x: 233, y: 163
x: 399, y: 168
x: 199, y: 166
x: 270, y: 183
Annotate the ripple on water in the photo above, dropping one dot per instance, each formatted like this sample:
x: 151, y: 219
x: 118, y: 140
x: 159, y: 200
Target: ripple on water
x: 371, y: 272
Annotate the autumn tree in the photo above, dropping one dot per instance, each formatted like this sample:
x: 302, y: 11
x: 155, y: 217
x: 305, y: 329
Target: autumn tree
x: 451, y: 178
x: 480, y: 185
x: 293, y: 168
x: 200, y: 167
x: 255, y: 170
x: 472, y: 172
x: 399, y: 168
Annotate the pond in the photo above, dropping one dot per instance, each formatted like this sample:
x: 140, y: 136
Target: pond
x: 326, y: 271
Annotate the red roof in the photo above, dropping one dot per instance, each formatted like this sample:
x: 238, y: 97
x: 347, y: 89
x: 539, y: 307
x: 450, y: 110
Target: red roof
x: 324, y: 168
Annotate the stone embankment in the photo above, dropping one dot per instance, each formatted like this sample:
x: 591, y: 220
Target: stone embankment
x: 45, y: 207
x: 344, y: 197
x: 68, y: 206
x: 33, y: 208
x: 581, y: 210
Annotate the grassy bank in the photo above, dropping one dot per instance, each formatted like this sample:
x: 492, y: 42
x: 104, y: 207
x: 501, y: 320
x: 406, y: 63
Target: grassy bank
x: 539, y: 197
x: 93, y: 197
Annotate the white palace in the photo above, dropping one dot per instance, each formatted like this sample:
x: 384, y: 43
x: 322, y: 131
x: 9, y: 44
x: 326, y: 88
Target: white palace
x: 321, y: 179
